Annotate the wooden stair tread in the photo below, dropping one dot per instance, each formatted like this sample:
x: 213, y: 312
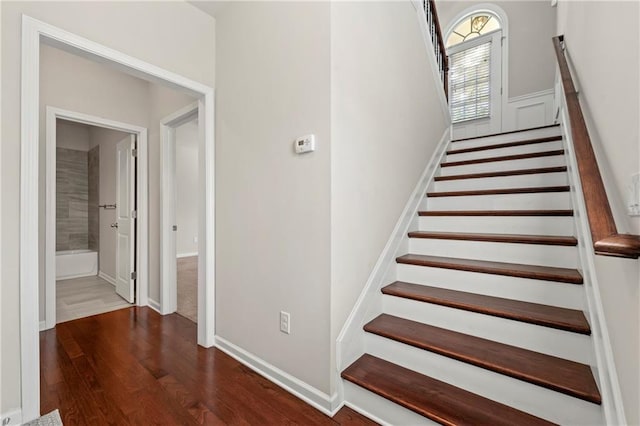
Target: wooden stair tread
x: 561, y: 375
x: 501, y: 191
x: 546, y: 273
x: 506, y: 133
x: 431, y: 398
x: 533, y: 313
x: 554, y: 240
x: 505, y: 145
x: 519, y: 172
x: 504, y: 158
x: 496, y: 213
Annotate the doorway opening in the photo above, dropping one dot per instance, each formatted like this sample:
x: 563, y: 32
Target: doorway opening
x: 33, y: 269
x: 90, y: 216
x: 181, y: 178
x: 181, y: 165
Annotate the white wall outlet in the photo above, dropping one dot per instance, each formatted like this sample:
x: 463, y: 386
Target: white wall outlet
x: 305, y: 144
x: 285, y: 322
x: 633, y: 203
x: 195, y: 239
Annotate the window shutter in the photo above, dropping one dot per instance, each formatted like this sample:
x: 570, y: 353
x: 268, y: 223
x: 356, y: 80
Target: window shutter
x: 469, y: 87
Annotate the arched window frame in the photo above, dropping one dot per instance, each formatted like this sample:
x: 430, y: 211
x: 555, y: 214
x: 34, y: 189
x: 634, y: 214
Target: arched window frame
x: 504, y: 23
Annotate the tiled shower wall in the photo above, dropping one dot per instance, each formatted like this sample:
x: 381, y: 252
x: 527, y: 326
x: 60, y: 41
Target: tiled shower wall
x: 76, y: 189
x: 94, y: 197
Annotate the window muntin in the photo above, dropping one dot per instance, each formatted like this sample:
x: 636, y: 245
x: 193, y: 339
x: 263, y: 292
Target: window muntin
x: 473, y: 26
x: 470, y: 83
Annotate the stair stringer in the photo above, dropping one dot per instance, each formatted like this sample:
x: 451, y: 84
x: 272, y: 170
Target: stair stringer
x: 603, y: 362
x: 350, y: 341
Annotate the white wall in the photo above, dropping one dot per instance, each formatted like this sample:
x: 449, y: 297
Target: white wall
x: 160, y: 39
x: 386, y: 120
x: 72, y: 135
x: 187, y: 185
x: 531, y: 26
x: 605, y: 66
x: 273, y: 206
x: 107, y: 141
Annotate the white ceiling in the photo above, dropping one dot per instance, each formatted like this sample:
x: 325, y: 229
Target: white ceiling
x: 209, y: 7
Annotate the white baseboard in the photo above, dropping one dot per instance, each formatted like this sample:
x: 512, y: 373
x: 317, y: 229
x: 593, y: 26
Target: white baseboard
x: 181, y: 255
x: 43, y: 325
x: 327, y: 404
x: 11, y: 418
x: 154, y: 305
x: 108, y: 278
x: 365, y: 413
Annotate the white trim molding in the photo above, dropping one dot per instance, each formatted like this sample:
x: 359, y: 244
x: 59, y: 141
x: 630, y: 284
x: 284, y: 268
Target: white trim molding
x: 142, y: 224
x: 329, y: 405
x: 530, y: 110
x: 154, y: 305
x: 183, y: 255
x: 33, y: 33
x: 349, y: 344
x: 108, y: 278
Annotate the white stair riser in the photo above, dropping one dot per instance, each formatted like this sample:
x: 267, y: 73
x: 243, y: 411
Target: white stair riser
x: 511, y: 137
x: 383, y: 409
x: 530, y: 254
x: 534, y: 201
x: 525, y: 289
x: 536, y: 400
x: 520, y: 181
x: 532, y: 225
x: 564, y: 344
x: 499, y: 152
x: 496, y: 166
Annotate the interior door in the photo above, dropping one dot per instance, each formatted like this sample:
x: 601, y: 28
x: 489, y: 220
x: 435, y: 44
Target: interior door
x: 493, y: 123
x: 125, y: 217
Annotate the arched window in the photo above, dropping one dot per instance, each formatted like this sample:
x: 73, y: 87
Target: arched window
x: 473, y: 26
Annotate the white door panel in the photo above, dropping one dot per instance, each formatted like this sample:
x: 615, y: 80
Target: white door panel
x: 125, y: 205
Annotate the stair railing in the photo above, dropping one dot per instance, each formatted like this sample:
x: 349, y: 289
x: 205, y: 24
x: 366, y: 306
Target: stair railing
x: 433, y: 24
x: 604, y: 233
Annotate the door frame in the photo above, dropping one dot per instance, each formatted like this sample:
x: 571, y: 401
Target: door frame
x: 33, y: 33
x: 142, y: 223
x: 168, y: 277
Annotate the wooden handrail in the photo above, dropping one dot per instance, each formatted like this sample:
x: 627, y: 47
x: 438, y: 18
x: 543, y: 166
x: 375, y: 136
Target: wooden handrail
x: 606, y: 239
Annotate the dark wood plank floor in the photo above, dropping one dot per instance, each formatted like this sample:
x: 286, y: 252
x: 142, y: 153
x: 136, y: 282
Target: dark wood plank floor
x: 134, y: 366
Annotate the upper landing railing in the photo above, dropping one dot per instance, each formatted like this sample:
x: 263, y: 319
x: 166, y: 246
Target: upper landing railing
x: 606, y: 239
x: 433, y: 25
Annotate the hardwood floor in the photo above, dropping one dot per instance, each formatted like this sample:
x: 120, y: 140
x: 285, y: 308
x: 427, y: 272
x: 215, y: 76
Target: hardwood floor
x: 82, y: 297
x: 136, y: 367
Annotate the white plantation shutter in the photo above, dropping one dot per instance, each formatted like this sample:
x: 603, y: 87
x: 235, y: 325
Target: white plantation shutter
x: 469, y: 83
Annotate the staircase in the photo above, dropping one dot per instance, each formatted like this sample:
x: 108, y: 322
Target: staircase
x: 484, y: 322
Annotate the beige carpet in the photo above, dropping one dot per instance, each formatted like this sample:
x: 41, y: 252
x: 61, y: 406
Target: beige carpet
x: 83, y: 297
x: 188, y: 287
